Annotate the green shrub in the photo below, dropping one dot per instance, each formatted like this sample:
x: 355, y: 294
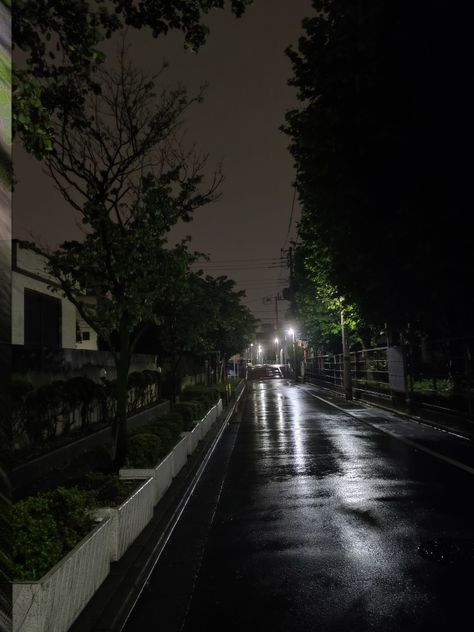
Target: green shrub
x: 174, y: 421
x: 167, y: 428
x: 40, y: 413
x: 82, y: 392
x: 190, y: 412
x: 201, y: 392
x: 46, y: 527
x: 168, y: 436
x: 234, y: 382
x: 107, y: 489
x: 144, y: 450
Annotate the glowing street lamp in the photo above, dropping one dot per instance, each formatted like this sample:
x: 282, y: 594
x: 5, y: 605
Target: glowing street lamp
x: 276, y: 349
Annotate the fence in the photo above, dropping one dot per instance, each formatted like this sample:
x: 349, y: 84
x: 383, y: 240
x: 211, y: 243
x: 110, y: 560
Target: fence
x: 369, y: 370
x: 433, y: 374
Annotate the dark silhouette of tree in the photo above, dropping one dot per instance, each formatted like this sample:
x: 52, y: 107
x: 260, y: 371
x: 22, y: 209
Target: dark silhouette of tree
x: 379, y: 146
x: 129, y: 178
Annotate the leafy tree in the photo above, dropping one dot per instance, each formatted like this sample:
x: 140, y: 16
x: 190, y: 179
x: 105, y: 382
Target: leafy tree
x: 318, y: 306
x: 231, y: 325
x: 378, y: 143
x: 199, y: 315
x: 130, y: 180
x: 60, y: 41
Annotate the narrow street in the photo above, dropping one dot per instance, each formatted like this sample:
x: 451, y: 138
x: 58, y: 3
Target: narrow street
x: 308, y: 518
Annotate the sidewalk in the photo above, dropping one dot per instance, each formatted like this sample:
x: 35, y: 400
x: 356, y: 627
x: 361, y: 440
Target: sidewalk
x: 444, y: 421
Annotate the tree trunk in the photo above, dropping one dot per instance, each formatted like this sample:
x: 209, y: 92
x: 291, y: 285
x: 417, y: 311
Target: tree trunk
x: 175, y: 374
x: 120, y: 422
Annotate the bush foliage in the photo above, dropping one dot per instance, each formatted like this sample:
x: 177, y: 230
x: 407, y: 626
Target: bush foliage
x: 47, y: 526
x: 144, y: 450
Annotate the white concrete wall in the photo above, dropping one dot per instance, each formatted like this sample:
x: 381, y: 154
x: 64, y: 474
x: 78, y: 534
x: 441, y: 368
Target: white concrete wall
x: 54, y: 602
x: 131, y: 518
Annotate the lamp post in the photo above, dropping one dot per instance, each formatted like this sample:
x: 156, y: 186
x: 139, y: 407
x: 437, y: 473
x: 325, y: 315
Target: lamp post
x: 251, y: 353
x: 346, y: 359
x: 291, y: 332
x: 276, y: 349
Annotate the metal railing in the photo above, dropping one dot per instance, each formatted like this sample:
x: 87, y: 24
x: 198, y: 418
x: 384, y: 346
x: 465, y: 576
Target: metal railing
x: 439, y: 376
x: 369, y: 369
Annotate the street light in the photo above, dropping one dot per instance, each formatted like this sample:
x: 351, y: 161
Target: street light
x: 346, y: 360
x: 259, y: 356
x: 276, y: 349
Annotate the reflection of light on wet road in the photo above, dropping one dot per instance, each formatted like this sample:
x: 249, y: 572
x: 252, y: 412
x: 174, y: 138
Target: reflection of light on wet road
x: 342, y: 471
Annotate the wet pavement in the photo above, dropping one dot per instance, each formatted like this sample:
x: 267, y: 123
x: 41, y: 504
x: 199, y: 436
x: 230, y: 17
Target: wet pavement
x: 308, y: 518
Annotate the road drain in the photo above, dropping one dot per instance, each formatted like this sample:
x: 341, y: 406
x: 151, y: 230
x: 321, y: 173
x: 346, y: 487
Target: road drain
x: 449, y: 552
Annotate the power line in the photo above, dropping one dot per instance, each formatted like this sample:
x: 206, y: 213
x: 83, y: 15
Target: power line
x: 242, y: 261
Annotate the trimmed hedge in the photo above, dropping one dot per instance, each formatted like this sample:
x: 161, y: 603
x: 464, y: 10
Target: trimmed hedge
x: 108, y: 489
x: 190, y: 411
x: 200, y: 392
x: 46, y: 527
x: 36, y: 413
x: 144, y: 450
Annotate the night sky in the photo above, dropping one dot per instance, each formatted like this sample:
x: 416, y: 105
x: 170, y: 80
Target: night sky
x: 237, y: 125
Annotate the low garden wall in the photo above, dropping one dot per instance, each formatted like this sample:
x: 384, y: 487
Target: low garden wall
x: 52, y: 603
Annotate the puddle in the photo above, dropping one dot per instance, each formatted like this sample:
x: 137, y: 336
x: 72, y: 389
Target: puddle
x: 449, y: 552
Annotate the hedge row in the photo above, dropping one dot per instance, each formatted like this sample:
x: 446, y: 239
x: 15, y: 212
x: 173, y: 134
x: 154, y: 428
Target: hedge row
x: 48, y: 525
x: 149, y: 444
x: 36, y: 414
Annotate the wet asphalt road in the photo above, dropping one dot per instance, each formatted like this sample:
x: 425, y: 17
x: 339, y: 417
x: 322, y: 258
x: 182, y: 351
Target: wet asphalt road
x: 309, y: 519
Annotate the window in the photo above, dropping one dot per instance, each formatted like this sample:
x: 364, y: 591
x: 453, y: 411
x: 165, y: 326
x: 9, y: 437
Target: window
x: 86, y: 335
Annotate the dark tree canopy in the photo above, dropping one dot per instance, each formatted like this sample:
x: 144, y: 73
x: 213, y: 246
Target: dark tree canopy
x: 379, y: 144
x: 59, y: 42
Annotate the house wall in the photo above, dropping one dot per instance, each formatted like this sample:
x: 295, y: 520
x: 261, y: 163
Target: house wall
x: 88, y: 345
x: 29, y: 272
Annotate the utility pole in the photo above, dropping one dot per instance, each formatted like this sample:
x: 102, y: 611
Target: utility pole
x: 290, y: 260
x: 276, y: 311
x: 346, y: 359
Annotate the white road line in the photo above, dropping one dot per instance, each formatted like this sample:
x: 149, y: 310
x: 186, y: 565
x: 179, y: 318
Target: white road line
x: 401, y: 416
x: 437, y: 455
